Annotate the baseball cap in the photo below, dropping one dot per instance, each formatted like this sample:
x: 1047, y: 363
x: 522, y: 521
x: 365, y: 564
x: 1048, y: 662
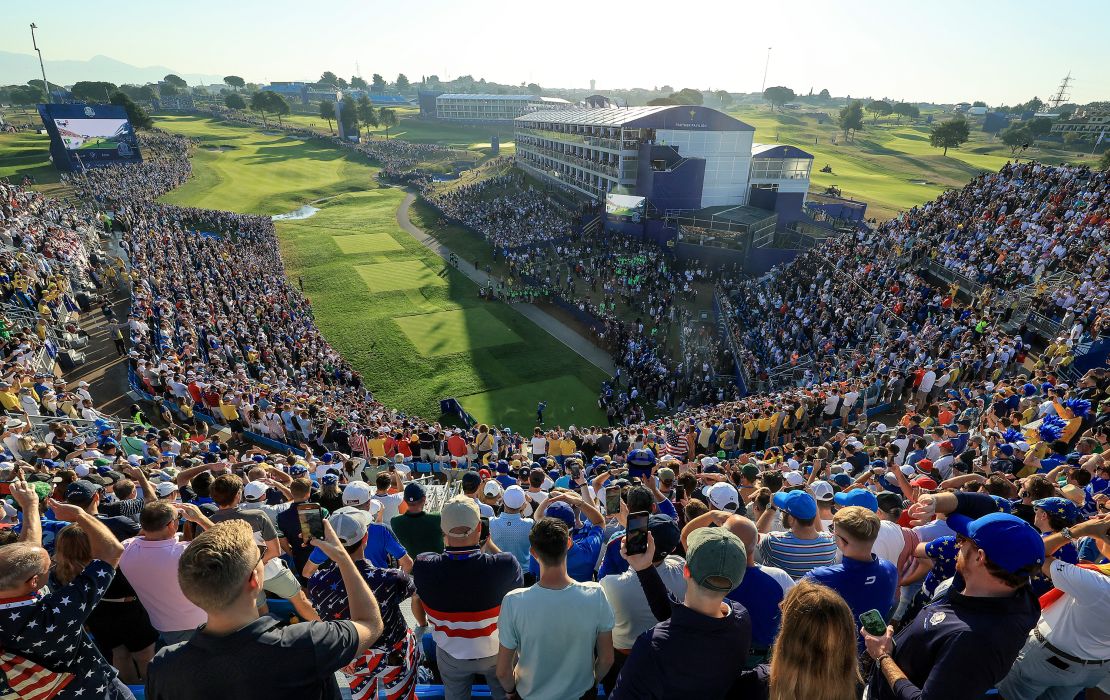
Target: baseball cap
x: 888, y: 501
x: 925, y: 465
x: 254, y: 491
x: 458, y: 513
x: 821, y: 490
x: 165, y: 488
x: 794, y: 478
x: 414, y: 492
x: 857, y: 497
x: 471, y: 481
x: 562, y: 511
x: 1060, y: 507
x: 723, y: 496
x: 1007, y: 540
x: 350, y: 524
x: 716, y: 558
x: 81, y: 492
x: 513, y: 497
x: 841, y: 480
x: 356, y: 493
x: 492, y: 488
x: 664, y: 530
x: 925, y: 482
x: 797, y: 503
x: 665, y: 474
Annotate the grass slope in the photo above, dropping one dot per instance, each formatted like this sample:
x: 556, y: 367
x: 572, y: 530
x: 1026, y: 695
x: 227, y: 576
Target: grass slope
x: 26, y: 153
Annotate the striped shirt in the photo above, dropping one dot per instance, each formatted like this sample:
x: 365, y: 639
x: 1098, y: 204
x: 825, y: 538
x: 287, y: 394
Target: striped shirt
x: 357, y: 443
x: 796, y: 556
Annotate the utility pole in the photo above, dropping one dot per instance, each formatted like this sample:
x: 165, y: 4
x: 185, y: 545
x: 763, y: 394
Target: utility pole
x: 42, y: 66
x: 766, y: 65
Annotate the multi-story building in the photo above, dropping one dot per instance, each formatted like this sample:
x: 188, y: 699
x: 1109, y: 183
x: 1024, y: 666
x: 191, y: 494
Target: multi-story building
x: 484, y: 109
x: 1085, y: 122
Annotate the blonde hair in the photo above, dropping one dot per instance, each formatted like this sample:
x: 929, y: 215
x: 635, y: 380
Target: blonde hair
x: 814, y: 656
x: 215, y: 565
x: 72, y: 553
x: 858, y: 523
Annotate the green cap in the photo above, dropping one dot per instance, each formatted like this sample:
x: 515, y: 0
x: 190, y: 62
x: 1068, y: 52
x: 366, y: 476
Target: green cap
x: 750, y: 472
x: 716, y: 559
x: 721, y: 454
x: 666, y: 474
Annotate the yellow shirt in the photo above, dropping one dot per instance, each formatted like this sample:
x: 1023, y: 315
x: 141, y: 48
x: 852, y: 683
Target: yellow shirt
x: 230, y: 411
x: 749, y: 429
x: 9, y: 400
x: 569, y: 447
x: 376, y: 447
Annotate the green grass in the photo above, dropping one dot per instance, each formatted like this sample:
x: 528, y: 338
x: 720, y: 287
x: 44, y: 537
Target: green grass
x: 26, y: 153
x: 890, y: 166
x: 261, y: 173
x: 413, y: 327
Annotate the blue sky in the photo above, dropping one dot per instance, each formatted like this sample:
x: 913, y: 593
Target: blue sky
x: 941, y: 50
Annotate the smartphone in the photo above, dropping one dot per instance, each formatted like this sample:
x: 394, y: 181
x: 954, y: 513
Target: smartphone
x: 873, y: 623
x: 679, y: 493
x: 312, y: 521
x: 485, y: 529
x: 612, y: 501
x: 635, y: 537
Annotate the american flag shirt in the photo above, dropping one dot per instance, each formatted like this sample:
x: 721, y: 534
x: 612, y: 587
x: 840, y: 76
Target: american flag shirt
x: 390, y: 586
x: 48, y: 630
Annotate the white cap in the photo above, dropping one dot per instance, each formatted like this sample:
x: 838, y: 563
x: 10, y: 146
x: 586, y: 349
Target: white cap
x: 165, y: 488
x: 350, y: 524
x: 492, y: 488
x: 82, y: 469
x: 1021, y: 445
x: 356, y: 493
x: 134, y: 460
x: 513, y: 497
x: 254, y: 491
x: 821, y: 490
x: 908, y: 469
x: 723, y: 496
x: 794, y: 478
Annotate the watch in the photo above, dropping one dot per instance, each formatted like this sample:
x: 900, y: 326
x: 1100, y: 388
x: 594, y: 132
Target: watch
x: 1066, y: 532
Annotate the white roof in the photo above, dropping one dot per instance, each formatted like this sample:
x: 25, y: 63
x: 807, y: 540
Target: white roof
x: 459, y: 96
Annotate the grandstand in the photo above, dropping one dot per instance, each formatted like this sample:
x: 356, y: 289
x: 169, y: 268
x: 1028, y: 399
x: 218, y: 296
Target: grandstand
x: 483, y: 109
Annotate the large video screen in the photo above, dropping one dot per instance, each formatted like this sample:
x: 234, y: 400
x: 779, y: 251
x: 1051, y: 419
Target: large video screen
x: 624, y: 207
x: 88, y: 136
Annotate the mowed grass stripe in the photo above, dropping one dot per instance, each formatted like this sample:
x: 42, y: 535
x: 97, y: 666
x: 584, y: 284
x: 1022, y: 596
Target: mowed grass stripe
x: 449, y: 332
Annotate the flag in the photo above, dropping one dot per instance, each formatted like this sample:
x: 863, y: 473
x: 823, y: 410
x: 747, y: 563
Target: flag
x: 1101, y: 135
x: 26, y: 680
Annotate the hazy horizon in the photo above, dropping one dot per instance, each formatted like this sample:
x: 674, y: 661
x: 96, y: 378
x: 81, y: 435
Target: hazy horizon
x: 946, y: 52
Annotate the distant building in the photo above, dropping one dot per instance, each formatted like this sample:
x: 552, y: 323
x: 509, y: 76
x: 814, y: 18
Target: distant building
x: 1084, y: 122
x: 483, y: 109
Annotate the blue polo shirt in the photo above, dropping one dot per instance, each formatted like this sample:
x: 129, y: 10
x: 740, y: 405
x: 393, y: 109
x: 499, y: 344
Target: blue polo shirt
x: 582, y: 555
x: 760, y: 594
x: 863, y: 585
x: 380, y: 546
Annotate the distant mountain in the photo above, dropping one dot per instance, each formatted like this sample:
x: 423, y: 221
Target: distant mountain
x: 18, y: 68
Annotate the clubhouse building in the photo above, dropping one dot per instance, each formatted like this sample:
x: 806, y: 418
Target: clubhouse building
x: 483, y: 109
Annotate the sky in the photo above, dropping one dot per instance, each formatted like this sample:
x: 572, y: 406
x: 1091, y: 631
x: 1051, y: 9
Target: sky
x: 999, y: 51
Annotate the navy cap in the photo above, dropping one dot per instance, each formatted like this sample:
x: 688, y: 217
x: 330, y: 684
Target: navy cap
x: 841, y: 480
x: 664, y: 530
x: 298, y: 470
x: 563, y: 512
x: 1060, y: 507
x: 1004, y: 506
x: 81, y: 492
x: 1007, y: 540
x: 414, y: 492
x: 329, y: 479
x: 799, y: 504
x: 858, y: 497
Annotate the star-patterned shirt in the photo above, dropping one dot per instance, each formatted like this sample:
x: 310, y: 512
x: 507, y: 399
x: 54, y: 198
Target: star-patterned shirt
x: 942, y: 551
x: 391, y: 587
x: 48, y: 629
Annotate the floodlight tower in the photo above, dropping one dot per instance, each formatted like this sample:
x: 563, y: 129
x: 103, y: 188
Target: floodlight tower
x: 42, y: 66
x: 766, y: 65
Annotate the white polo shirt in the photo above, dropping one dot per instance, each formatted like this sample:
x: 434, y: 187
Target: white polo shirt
x: 1077, y: 622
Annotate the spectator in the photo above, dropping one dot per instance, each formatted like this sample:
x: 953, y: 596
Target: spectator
x: 150, y: 563
x: 586, y: 541
x: 939, y: 653
x: 800, y: 548
x: 460, y: 592
x: 417, y: 530
x: 387, y: 488
x: 509, y: 531
x: 381, y: 545
x: 289, y: 525
x: 392, y: 658
x: 244, y: 655
x: 544, y: 652
x: 668, y: 660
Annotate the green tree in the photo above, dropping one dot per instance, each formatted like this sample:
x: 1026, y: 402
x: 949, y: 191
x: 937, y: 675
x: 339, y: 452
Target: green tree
x: 778, y: 95
x: 365, y: 111
x: 533, y: 88
x: 1039, y: 126
x: 661, y: 101
x: 724, y: 98
x: 135, y: 114
x: 260, y: 102
x: 824, y: 95
x: 978, y: 103
x: 905, y: 109
x: 879, y: 108
x: 401, y: 84
x: 388, y: 118
x: 92, y: 90
x: 1015, y: 136
x: 688, y: 96
x: 37, y: 84
x: 329, y: 78
x: 348, y: 114
x: 278, y: 105
x: 358, y: 83
x: 148, y: 93
x: 377, y: 83
x: 24, y: 95
x: 327, y: 111
x: 1033, y: 105
x: 235, y: 101
x: 851, y: 118
x: 950, y: 134
x: 176, y: 80
x: 235, y: 82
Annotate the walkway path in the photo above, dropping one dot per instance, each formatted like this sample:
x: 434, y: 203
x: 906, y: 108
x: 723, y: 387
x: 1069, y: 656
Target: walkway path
x: 559, y: 330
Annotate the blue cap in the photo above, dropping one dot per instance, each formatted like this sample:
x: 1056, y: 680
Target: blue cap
x: 1060, y: 507
x: 329, y: 479
x: 258, y: 458
x: 642, y: 457
x: 858, y: 497
x: 502, y: 468
x: 327, y: 457
x: 842, y: 480
x: 1073, y: 458
x: 109, y: 442
x: 414, y: 492
x: 562, y: 511
x: 878, y: 463
x: 953, y: 427
x: 214, y: 446
x: 1006, y: 449
x: 1007, y: 540
x: 297, y: 470
x: 1004, y: 506
x: 797, y: 503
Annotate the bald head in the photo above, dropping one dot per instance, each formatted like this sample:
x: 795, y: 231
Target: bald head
x: 744, y: 529
x: 19, y: 564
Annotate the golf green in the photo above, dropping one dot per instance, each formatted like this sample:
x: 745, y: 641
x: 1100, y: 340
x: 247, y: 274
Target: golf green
x: 398, y: 275
x: 449, y: 332
x: 354, y: 244
x: 569, y: 402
